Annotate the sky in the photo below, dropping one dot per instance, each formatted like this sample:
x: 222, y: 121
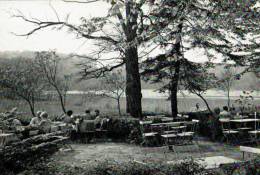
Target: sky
x: 45, y: 39
x: 48, y: 39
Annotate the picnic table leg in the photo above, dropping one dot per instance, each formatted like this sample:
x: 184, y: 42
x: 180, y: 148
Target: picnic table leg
x: 169, y: 145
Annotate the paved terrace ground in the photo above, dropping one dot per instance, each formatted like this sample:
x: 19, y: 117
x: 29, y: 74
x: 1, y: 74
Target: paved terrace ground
x: 122, y: 152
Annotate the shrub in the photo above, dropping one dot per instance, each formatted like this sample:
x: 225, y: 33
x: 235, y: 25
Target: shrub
x: 120, y: 128
x: 135, y: 136
x: 209, y: 125
x: 248, y: 167
x: 157, y: 120
x: 188, y: 167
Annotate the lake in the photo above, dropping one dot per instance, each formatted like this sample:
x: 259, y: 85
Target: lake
x: 151, y: 93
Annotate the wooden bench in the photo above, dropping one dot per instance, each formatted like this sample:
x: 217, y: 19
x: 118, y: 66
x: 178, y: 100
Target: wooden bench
x: 247, y: 149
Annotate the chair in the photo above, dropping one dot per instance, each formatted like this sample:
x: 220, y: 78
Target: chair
x: 254, y: 133
x: 149, y: 138
x: 169, y: 134
x: 87, y: 130
x: 228, y: 133
x: 186, y: 136
x: 145, y: 126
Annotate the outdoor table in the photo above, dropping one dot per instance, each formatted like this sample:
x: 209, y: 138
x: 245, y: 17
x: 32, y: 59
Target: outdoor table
x: 146, y: 122
x: 150, y: 134
x: 167, y: 124
x: 167, y: 119
x: 6, y: 138
x: 157, y: 124
x: 244, y: 129
x: 182, y: 118
x: 144, y: 125
x: 64, y: 127
x: 245, y: 120
x: 178, y: 127
x: 155, y: 116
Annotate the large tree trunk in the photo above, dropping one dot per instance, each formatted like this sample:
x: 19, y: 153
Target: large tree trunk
x: 174, y: 90
x: 228, y: 96
x: 62, y: 99
x: 133, y: 84
x: 118, y: 106
x: 175, y: 79
x: 205, y: 101
x: 31, y: 104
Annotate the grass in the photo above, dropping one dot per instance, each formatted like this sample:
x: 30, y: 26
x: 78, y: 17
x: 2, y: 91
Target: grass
x: 107, y: 106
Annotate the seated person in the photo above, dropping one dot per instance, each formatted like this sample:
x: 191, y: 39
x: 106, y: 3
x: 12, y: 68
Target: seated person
x: 69, y: 118
x: 196, y: 108
x: 225, y: 113
x: 97, y: 119
x: 88, y: 115
x: 86, y: 130
x: 45, y: 124
x: 14, y: 123
x: 35, y: 121
x: 104, y: 122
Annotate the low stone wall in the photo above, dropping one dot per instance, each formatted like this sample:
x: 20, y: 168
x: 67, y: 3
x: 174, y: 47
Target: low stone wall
x: 16, y: 156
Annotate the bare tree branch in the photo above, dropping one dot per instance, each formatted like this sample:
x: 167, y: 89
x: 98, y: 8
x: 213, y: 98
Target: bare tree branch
x: 47, y: 24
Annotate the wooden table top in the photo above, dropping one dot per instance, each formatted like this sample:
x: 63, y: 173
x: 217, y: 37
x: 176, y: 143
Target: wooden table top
x: 6, y: 134
x: 245, y: 120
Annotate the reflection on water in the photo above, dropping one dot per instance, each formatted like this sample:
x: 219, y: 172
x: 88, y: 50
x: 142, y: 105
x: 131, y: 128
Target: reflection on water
x: 150, y: 93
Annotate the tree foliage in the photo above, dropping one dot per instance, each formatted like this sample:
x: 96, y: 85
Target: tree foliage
x: 227, y: 79
x: 23, y: 79
x: 113, y: 85
x: 225, y: 28
x: 116, y: 37
x: 48, y: 64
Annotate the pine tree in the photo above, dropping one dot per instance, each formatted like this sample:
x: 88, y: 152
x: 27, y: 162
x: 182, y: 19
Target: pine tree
x: 216, y: 27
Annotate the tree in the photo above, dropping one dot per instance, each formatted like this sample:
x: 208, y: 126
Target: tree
x: 170, y: 22
x: 114, y: 87
x: 245, y: 101
x: 227, y: 78
x: 22, y: 79
x: 178, y: 25
x: 49, y: 66
x: 212, y: 26
x: 198, y: 80
x: 122, y: 39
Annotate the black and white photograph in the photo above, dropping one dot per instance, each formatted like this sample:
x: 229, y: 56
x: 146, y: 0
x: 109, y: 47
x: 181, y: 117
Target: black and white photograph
x: 129, y: 87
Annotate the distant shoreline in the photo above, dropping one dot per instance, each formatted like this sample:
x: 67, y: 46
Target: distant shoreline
x: 152, y: 94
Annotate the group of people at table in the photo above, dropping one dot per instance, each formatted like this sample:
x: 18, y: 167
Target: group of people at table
x: 73, y: 124
x: 238, y: 127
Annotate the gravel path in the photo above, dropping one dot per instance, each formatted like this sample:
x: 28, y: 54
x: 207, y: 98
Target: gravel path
x: 122, y: 152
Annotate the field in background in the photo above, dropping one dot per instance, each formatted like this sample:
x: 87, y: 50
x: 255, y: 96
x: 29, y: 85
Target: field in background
x: 78, y: 103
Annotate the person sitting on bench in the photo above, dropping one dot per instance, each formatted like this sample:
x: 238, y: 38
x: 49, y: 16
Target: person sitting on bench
x: 45, y: 124
x: 35, y: 121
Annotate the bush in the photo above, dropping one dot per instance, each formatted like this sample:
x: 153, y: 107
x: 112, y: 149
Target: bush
x: 188, y: 167
x: 135, y: 136
x: 248, y: 167
x: 209, y: 125
x: 120, y: 128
